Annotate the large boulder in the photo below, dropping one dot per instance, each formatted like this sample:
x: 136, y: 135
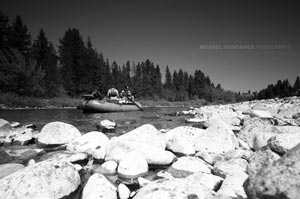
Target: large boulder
x: 225, y: 168
x: 232, y: 186
x: 57, y: 133
x: 211, y: 181
x: 289, y: 112
x: 9, y: 168
x: 217, y: 139
x: 175, y: 188
x: 260, y: 159
x: 180, y: 139
x: 64, y: 156
x: 256, y: 131
x: 41, y: 180
x: 145, y: 134
x: 4, y: 125
x: 88, y: 143
x: 98, y: 187
x: 281, y: 143
x: 185, y: 166
x: 133, y: 165
x: 117, y: 149
x: 280, y: 179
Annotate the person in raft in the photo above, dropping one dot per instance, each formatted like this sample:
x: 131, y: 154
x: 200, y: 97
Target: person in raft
x: 113, y: 93
x: 96, y: 94
x: 125, y: 93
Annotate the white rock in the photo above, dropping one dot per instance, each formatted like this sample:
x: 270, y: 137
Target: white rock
x: 98, y: 187
x: 180, y: 139
x: 124, y: 192
x: 210, y: 181
x: 4, y: 125
x: 264, y: 114
x: 9, y: 168
x: 63, y: 156
x: 147, y: 134
x: 232, y: 186
x: 143, y: 182
x: 191, y: 164
x: 23, y: 137
x: 281, y: 143
x: 41, y: 180
x: 110, y: 167
x: 31, y: 162
x: 58, y: 133
x: 164, y: 174
x: 133, y: 165
x: 88, y: 143
x: 108, y: 123
x: 217, y: 139
x: 224, y: 168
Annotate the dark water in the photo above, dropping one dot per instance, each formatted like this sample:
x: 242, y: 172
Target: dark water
x: 159, y: 117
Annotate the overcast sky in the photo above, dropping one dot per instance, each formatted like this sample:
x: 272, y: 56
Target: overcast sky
x: 241, y: 44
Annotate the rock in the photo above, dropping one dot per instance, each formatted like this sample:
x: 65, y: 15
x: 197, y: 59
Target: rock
x: 289, y: 112
x: 133, y: 165
x: 98, y: 187
x: 212, y: 182
x: 124, y: 192
x: 147, y: 134
x: 217, y: 139
x: 23, y: 155
x: 289, y: 129
x: 185, y: 166
x: 34, y: 181
x: 15, y: 124
x: 23, y: 137
x: 180, y: 139
x: 232, y: 186
x: 259, y: 113
x: 143, y: 182
x: 64, y: 156
x: 256, y: 127
x: 88, y: 143
x: 210, y: 158
x: 164, y: 174
x: 116, y: 150
x: 280, y: 179
x: 108, y: 168
x: 238, y: 153
x: 174, y: 188
x: 30, y: 162
x: 106, y: 126
x: 4, y: 157
x: 57, y: 133
x: 107, y: 123
x: 224, y: 168
x: 4, y: 125
x: 281, y: 143
x: 9, y: 168
x: 261, y: 159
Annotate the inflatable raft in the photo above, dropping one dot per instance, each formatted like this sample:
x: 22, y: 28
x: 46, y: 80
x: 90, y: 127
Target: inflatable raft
x: 106, y: 106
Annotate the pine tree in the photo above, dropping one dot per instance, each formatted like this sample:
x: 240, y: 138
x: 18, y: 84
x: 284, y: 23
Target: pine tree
x: 4, y: 29
x: 44, y: 53
x: 168, y: 83
x: 19, y: 37
x: 296, y: 87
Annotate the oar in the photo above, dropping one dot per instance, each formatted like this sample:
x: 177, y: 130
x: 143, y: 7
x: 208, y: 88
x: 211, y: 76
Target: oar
x: 135, y: 104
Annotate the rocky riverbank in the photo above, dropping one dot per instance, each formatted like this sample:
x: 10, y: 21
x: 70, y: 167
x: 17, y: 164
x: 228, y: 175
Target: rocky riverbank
x: 245, y: 150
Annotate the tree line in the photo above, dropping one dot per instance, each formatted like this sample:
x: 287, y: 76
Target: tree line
x: 34, y: 67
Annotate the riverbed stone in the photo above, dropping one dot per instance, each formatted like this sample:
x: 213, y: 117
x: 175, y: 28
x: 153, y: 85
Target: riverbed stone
x: 64, y: 156
x: 224, y: 168
x: 4, y: 125
x: 9, y: 168
x: 107, y: 168
x: 123, y: 191
x: 238, y: 153
x: 22, y: 136
x: 133, y: 165
x: 217, y: 139
x: 280, y: 179
x: 260, y: 159
x: 211, y: 181
x: 180, y: 139
x: 281, y: 143
x: 232, y: 186
x: 174, y: 188
x: 210, y: 158
x: 258, y: 131
x: 117, y: 149
x: 57, y: 133
x: 88, y: 143
x: 147, y: 134
x: 32, y: 182
x: 185, y: 166
x: 98, y: 187
x: 289, y: 112
x: 264, y: 114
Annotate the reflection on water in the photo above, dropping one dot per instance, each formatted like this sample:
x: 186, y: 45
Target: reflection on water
x: 86, y: 122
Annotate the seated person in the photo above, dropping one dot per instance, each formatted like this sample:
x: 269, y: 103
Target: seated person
x: 113, y: 93
x: 96, y: 94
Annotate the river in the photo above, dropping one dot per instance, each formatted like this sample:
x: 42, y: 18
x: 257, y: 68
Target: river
x: 160, y: 117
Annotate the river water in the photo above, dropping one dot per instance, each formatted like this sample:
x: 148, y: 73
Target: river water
x: 161, y: 118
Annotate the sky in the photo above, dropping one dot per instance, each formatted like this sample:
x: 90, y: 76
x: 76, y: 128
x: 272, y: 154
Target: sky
x: 241, y: 44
